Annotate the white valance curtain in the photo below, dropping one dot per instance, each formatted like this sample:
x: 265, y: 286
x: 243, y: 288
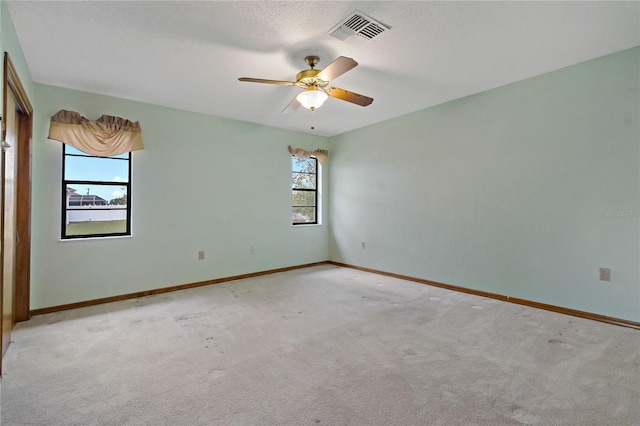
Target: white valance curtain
x: 104, y: 137
x: 320, y: 154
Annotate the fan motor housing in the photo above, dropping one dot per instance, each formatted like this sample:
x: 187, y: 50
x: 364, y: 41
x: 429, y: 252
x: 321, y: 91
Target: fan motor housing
x: 311, y: 73
x: 308, y: 80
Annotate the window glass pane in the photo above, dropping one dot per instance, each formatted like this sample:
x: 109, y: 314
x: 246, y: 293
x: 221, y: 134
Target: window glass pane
x: 95, y: 209
x: 303, y: 180
x: 307, y: 165
x: 304, y: 183
x: 94, y: 168
x: 304, y: 215
x: 96, y: 195
x: 90, y: 208
x: 94, y: 227
x: 304, y: 198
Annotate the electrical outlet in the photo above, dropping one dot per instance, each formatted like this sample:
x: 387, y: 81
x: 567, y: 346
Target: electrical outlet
x: 252, y: 250
x: 363, y: 245
x: 201, y: 255
x: 605, y: 274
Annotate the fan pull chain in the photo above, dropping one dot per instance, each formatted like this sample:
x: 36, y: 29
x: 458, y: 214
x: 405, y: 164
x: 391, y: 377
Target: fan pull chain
x: 311, y: 120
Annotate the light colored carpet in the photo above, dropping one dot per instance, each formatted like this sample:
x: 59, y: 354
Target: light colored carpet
x: 319, y: 346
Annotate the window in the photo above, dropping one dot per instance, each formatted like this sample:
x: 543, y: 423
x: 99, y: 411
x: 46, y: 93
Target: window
x: 305, y: 190
x: 95, y: 194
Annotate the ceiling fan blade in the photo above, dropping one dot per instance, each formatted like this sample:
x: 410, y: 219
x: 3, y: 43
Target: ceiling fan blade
x: 261, y: 80
x: 292, y: 106
x: 336, y: 68
x: 345, y: 95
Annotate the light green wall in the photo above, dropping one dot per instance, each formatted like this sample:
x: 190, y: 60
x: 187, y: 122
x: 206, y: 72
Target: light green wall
x: 201, y: 183
x: 9, y: 43
x: 506, y: 191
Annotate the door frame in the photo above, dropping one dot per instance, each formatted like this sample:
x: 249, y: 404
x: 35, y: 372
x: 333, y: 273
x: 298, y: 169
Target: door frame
x: 24, y: 113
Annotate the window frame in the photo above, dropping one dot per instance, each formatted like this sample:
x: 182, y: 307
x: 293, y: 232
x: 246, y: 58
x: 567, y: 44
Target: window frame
x: 316, y: 191
x: 76, y: 182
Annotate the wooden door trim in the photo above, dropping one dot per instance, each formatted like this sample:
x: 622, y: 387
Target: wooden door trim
x: 12, y: 81
x: 22, y: 289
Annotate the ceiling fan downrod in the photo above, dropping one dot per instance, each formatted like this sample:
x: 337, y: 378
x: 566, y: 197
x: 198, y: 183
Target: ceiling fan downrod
x: 312, y: 61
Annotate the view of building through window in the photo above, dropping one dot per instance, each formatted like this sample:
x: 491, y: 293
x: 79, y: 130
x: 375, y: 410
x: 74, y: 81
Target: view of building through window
x: 95, y: 193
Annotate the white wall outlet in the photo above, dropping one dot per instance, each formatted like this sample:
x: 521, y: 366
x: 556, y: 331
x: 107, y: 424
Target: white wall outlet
x: 252, y: 250
x: 605, y: 274
x: 201, y: 255
x: 363, y: 245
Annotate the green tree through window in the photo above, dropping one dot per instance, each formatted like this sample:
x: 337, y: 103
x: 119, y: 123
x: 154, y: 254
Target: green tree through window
x: 305, y: 190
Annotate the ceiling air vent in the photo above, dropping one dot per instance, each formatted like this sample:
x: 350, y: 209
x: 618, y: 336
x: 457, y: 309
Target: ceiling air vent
x: 357, y: 29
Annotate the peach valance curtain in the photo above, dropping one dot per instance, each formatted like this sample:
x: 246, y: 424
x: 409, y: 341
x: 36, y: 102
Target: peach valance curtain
x: 320, y: 154
x: 103, y: 137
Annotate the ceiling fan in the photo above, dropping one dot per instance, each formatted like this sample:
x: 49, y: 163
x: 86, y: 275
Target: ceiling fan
x: 316, y: 84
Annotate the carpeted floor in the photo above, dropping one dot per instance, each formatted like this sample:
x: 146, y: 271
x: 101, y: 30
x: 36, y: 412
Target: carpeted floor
x: 319, y: 346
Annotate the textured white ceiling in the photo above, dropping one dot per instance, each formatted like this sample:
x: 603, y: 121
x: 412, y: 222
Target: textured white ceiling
x: 188, y: 55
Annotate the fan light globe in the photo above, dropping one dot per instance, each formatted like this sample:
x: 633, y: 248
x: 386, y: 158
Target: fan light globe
x: 312, y: 99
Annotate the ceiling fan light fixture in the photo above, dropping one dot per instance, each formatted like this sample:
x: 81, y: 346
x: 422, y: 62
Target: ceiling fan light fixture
x: 312, y: 99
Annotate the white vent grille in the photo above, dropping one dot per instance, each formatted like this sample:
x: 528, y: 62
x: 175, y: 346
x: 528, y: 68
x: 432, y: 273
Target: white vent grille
x: 357, y: 28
